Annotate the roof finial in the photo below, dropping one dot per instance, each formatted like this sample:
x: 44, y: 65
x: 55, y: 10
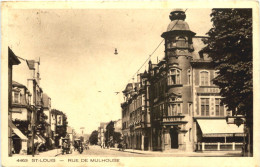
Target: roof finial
x: 177, y: 14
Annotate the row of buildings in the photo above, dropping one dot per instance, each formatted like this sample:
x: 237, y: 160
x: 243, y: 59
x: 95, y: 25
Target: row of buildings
x: 174, y: 104
x: 31, y: 121
x: 102, y: 138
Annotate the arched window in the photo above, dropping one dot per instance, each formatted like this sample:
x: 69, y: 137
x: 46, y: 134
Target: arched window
x: 204, y: 78
x: 189, y: 77
x: 174, y: 76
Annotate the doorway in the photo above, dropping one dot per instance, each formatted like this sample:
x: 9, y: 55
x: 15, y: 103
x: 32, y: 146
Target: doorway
x: 174, y: 138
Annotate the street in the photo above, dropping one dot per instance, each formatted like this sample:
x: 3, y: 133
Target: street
x: 97, y: 151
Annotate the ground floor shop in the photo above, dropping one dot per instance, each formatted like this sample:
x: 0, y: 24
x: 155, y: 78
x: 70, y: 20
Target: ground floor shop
x: 172, y: 136
x: 139, y: 139
x: 199, y: 134
x: 216, y: 134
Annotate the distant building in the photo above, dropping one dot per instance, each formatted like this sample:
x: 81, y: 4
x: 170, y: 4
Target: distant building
x: 49, y: 135
x: 70, y: 133
x: 101, y: 133
x: 118, y: 125
x: 136, y: 126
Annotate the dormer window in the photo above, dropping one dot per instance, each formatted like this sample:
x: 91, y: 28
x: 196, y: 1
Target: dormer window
x: 174, y: 76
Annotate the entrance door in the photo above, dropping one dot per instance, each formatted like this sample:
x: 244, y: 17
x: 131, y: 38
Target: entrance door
x: 174, y: 138
x: 146, y: 143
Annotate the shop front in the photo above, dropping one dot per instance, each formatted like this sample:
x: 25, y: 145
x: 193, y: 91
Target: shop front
x: 216, y: 134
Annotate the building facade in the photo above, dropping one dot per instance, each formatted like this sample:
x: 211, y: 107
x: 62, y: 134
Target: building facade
x: 12, y: 60
x: 21, y: 119
x: 181, y: 102
x: 101, y: 133
x: 49, y: 135
x: 136, y: 127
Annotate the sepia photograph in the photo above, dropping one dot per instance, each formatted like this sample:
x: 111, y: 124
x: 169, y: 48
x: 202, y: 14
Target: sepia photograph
x: 101, y: 85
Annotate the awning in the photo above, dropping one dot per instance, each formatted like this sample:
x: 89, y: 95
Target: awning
x: 219, y: 128
x: 52, y: 141
x: 39, y: 139
x: 17, y: 131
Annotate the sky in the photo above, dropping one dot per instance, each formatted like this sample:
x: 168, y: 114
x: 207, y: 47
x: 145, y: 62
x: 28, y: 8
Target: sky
x: 79, y: 70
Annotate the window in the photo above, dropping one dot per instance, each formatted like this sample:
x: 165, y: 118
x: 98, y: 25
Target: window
x: 174, y: 77
x: 143, y: 99
x: 189, y: 77
x: 204, y: 78
x: 219, y: 109
x: 16, y: 97
x: 181, y: 42
x: 174, y: 109
x: 205, y: 107
x: 189, y: 108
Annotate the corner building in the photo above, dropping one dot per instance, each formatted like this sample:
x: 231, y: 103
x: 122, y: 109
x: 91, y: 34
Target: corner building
x: 186, y: 113
x: 182, y: 105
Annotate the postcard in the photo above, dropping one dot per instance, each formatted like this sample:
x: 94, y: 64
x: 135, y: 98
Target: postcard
x: 120, y: 83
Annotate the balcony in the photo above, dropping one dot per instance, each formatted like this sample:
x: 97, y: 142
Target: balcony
x: 174, y: 120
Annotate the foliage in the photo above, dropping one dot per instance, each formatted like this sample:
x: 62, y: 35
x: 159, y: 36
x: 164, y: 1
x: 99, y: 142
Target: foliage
x: 230, y: 47
x: 110, y: 133
x: 93, y: 139
x: 61, y: 130
x: 117, y: 137
x: 22, y: 125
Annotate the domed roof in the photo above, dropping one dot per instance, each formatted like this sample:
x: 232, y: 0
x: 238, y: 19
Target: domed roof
x: 178, y: 25
x: 128, y: 88
x: 177, y: 10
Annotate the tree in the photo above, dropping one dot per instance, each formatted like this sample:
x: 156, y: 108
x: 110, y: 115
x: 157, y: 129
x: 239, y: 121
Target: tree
x: 109, y: 131
x: 230, y: 47
x: 93, y: 139
x: 111, y: 134
x: 61, y: 131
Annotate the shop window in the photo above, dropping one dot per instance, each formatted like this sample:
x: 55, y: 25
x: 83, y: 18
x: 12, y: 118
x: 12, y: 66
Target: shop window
x: 174, y: 76
x: 204, y: 78
x: 204, y: 106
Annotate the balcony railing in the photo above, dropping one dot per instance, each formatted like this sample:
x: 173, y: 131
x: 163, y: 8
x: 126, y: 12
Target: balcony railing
x: 219, y: 146
x: 178, y: 119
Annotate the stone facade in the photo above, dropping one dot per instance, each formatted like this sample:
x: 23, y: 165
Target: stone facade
x: 179, y: 97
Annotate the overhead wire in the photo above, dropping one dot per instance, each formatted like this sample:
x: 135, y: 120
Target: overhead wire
x: 152, y: 52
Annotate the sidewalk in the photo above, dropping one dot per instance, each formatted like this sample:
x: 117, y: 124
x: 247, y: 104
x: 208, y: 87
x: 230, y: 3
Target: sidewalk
x: 185, y: 154
x: 49, y: 153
